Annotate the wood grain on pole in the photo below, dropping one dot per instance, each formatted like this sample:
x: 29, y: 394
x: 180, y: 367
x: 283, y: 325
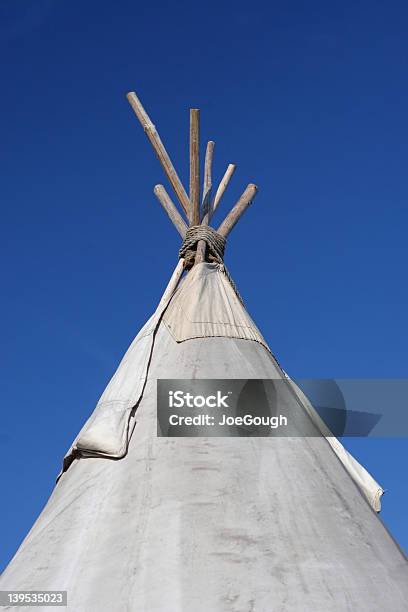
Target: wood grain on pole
x: 194, y: 217
x: 238, y: 210
x: 222, y: 187
x: 160, y: 150
x: 207, y: 185
x: 209, y: 154
x: 170, y: 208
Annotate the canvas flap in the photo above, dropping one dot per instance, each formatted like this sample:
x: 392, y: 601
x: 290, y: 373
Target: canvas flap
x: 369, y: 487
x: 206, y: 305
x: 107, y: 431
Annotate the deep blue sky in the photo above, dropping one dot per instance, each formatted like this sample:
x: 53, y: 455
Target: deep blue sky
x: 308, y: 98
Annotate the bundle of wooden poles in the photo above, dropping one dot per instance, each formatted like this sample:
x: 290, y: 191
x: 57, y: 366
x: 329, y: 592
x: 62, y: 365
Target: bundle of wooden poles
x: 198, y: 210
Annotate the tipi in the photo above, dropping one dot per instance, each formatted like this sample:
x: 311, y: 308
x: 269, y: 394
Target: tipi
x: 142, y: 523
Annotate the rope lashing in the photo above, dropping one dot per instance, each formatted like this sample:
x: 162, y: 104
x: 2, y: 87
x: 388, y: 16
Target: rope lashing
x: 215, y: 244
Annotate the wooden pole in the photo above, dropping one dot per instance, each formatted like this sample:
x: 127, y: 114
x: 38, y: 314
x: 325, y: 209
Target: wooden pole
x: 209, y: 154
x: 238, y: 210
x: 207, y: 186
x: 194, y: 217
x: 161, y: 152
x: 170, y: 208
x: 222, y: 186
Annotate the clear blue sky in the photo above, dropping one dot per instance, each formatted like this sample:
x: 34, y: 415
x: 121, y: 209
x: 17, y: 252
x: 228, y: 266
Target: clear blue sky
x: 308, y: 99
